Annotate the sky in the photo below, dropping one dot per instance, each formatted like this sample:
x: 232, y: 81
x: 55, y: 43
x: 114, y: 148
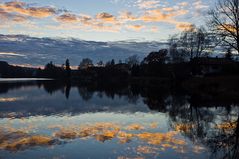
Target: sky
x: 102, y: 20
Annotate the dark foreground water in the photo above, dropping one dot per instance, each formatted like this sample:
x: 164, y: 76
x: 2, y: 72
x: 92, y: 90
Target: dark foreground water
x: 54, y: 121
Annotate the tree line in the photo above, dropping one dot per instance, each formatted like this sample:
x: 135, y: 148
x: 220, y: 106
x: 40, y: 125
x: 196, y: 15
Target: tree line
x: 193, y: 43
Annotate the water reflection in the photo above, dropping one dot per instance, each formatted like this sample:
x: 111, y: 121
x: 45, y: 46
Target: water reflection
x: 101, y: 121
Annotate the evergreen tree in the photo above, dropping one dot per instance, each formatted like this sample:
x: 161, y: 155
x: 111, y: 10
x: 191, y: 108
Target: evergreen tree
x: 68, y: 68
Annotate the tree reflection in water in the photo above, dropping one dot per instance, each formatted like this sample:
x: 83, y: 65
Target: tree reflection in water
x: 213, y: 123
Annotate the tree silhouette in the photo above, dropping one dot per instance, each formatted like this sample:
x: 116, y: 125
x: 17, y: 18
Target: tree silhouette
x: 132, y: 60
x: 68, y: 68
x: 100, y: 63
x: 224, y: 21
x: 191, y: 43
x: 112, y: 62
x: 156, y: 57
x: 228, y: 55
x: 85, y: 63
x: 52, y: 71
x: 177, y: 55
x: 67, y: 90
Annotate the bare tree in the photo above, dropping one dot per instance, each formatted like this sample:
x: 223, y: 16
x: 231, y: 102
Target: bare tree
x: 224, y: 21
x: 194, y: 41
x: 132, y: 60
x: 85, y: 63
x: 177, y: 54
x: 191, y: 43
x: 156, y: 57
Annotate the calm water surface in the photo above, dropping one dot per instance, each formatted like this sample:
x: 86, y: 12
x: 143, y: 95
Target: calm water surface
x: 51, y: 121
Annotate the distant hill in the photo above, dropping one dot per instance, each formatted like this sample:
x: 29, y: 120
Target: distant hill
x: 21, y: 49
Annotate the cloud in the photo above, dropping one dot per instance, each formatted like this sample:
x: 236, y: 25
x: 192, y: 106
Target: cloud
x: 101, y: 22
x: 147, y: 4
x: 9, y: 17
x: 150, y: 11
x: 67, y: 18
x: 199, y: 8
x: 168, y: 9
x: 127, y: 16
x: 23, y: 9
x: 10, y: 54
x: 199, y: 5
x: 85, y: 19
x: 105, y: 28
x: 154, y: 29
x: 166, y: 14
x: 135, y: 27
x: 157, y: 15
x: 183, y: 4
x: 106, y: 17
x: 20, y: 13
x: 89, y: 27
x: 184, y: 26
x: 107, y: 22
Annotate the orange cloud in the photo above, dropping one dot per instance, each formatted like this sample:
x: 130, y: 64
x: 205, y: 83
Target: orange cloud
x: 23, y: 9
x: 155, y: 16
x: 158, y: 16
x: 18, y: 12
x: 154, y: 29
x: 135, y: 27
x: 105, y: 28
x: 106, y: 17
x: 127, y: 16
x: 8, y: 17
x: 40, y: 12
x: 67, y: 17
x: 108, y: 22
x: 184, y: 26
x: 85, y: 23
x: 101, y: 22
x: 168, y: 9
x: 85, y: 19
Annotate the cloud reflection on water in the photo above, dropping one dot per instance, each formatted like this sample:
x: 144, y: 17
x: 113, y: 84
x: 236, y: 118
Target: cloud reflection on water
x: 146, y: 138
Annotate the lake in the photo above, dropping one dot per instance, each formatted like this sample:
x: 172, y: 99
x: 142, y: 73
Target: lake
x: 51, y: 120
